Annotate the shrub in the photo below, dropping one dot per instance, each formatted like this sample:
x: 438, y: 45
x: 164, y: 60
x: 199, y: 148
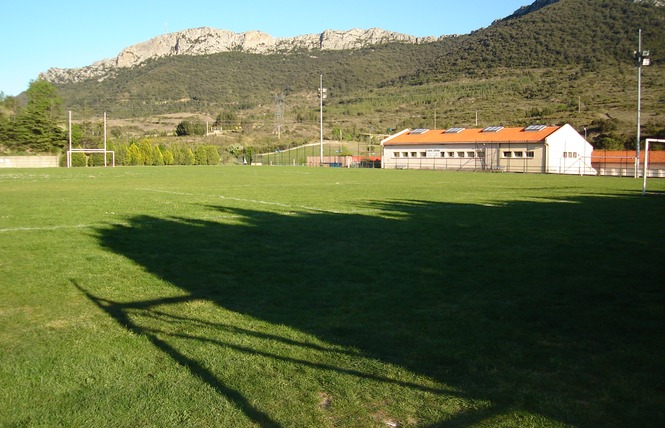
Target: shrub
x: 213, y: 155
x: 188, y: 127
x: 201, y: 155
x: 79, y: 159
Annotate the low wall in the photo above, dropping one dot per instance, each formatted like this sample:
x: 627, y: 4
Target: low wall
x: 28, y: 161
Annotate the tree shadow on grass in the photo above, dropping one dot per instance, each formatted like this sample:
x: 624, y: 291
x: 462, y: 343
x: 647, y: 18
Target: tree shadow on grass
x: 533, y: 307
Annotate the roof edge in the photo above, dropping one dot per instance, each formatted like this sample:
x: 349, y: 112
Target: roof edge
x: 385, y: 140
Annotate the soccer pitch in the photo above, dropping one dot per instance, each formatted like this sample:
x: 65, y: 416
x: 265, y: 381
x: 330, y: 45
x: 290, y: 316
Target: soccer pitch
x: 291, y: 296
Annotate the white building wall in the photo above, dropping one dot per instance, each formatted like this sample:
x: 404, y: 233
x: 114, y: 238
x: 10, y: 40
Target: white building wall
x: 568, y: 153
x: 462, y: 157
x: 28, y: 161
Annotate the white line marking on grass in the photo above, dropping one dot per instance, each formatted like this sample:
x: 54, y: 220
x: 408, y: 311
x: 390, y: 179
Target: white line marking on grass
x: 251, y: 201
x: 43, y: 228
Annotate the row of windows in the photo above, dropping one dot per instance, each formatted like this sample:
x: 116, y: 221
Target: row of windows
x: 460, y: 154
x: 518, y: 154
x: 439, y: 154
x: 570, y: 155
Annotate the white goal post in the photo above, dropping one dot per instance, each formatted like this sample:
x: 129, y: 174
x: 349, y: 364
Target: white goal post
x: 71, y: 150
x: 89, y: 151
x: 646, y: 162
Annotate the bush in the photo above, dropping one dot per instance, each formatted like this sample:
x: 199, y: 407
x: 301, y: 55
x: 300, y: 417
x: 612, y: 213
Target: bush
x: 133, y: 155
x: 213, y: 155
x: 201, y: 155
x: 79, y: 159
x: 609, y: 143
x: 96, y: 159
x: 168, y: 157
x: 187, y: 127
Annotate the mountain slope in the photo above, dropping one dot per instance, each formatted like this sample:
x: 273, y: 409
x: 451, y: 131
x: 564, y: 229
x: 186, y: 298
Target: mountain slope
x: 525, y: 10
x: 565, y: 61
x: 589, y: 34
x: 208, y: 41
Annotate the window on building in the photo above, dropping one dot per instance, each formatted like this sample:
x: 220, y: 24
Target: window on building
x: 507, y: 154
x: 414, y: 154
x: 451, y: 154
x: 405, y: 154
x: 529, y: 154
x: 396, y: 154
x: 575, y: 155
x: 423, y: 154
x: 443, y: 154
x: 518, y: 154
x: 460, y: 154
x: 471, y: 154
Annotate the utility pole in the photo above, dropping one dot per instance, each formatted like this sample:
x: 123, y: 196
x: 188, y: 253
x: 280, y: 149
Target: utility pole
x: 69, y: 138
x: 279, y: 114
x: 435, y: 105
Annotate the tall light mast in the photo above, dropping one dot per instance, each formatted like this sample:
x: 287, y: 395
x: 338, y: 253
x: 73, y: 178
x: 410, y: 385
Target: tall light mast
x: 642, y: 59
x: 322, y: 95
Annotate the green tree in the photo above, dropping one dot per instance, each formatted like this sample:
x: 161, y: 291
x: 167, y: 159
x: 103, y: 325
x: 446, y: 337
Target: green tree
x: 134, y: 155
x: 96, y: 159
x: 201, y: 155
x: 43, y: 99
x: 79, y: 159
x: 236, y: 150
x: 226, y: 119
x: 249, y: 155
x: 77, y: 134
x: 157, y: 157
x: 609, y: 143
x: 35, y: 128
x: 189, y: 158
x: 168, y: 157
x: 189, y: 127
x: 147, y: 152
x: 120, y: 150
x: 178, y: 155
x: 213, y: 155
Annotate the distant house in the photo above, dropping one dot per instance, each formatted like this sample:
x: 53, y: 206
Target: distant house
x: 534, y: 149
x: 621, y: 163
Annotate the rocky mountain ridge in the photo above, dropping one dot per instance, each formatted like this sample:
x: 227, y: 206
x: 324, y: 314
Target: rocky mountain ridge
x: 525, y: 10
x: 206, y: 40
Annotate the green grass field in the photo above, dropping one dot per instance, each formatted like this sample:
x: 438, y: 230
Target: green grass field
x: 308, y: 297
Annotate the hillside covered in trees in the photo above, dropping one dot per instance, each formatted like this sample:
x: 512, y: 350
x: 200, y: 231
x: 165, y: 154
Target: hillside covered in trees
x: 565, y: 61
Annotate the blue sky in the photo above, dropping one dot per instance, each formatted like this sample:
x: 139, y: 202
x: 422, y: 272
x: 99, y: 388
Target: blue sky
x: 38, y: 35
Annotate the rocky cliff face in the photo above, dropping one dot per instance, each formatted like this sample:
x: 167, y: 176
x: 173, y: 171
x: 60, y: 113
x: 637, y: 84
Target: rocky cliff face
x: 657, y: 3
x: 205, y: 40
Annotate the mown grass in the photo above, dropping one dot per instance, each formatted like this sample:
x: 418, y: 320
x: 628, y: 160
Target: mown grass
x: 245, y: 296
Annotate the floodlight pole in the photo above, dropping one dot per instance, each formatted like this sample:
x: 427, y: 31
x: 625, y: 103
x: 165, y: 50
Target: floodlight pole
x: 639, y: 101
x: 642, y: 59
x: 69, y: 127
x: 321, y: 119
x: 105, y: 140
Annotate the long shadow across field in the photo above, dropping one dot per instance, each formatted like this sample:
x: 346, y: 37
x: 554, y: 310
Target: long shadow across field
x: 532, y: 306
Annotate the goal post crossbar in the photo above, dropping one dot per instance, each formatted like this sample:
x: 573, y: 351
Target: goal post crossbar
x: 84, y: 150
x: 69, y: 155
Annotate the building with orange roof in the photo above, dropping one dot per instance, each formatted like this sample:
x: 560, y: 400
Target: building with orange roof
x: 534, y: 149
x: 621, y: 163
